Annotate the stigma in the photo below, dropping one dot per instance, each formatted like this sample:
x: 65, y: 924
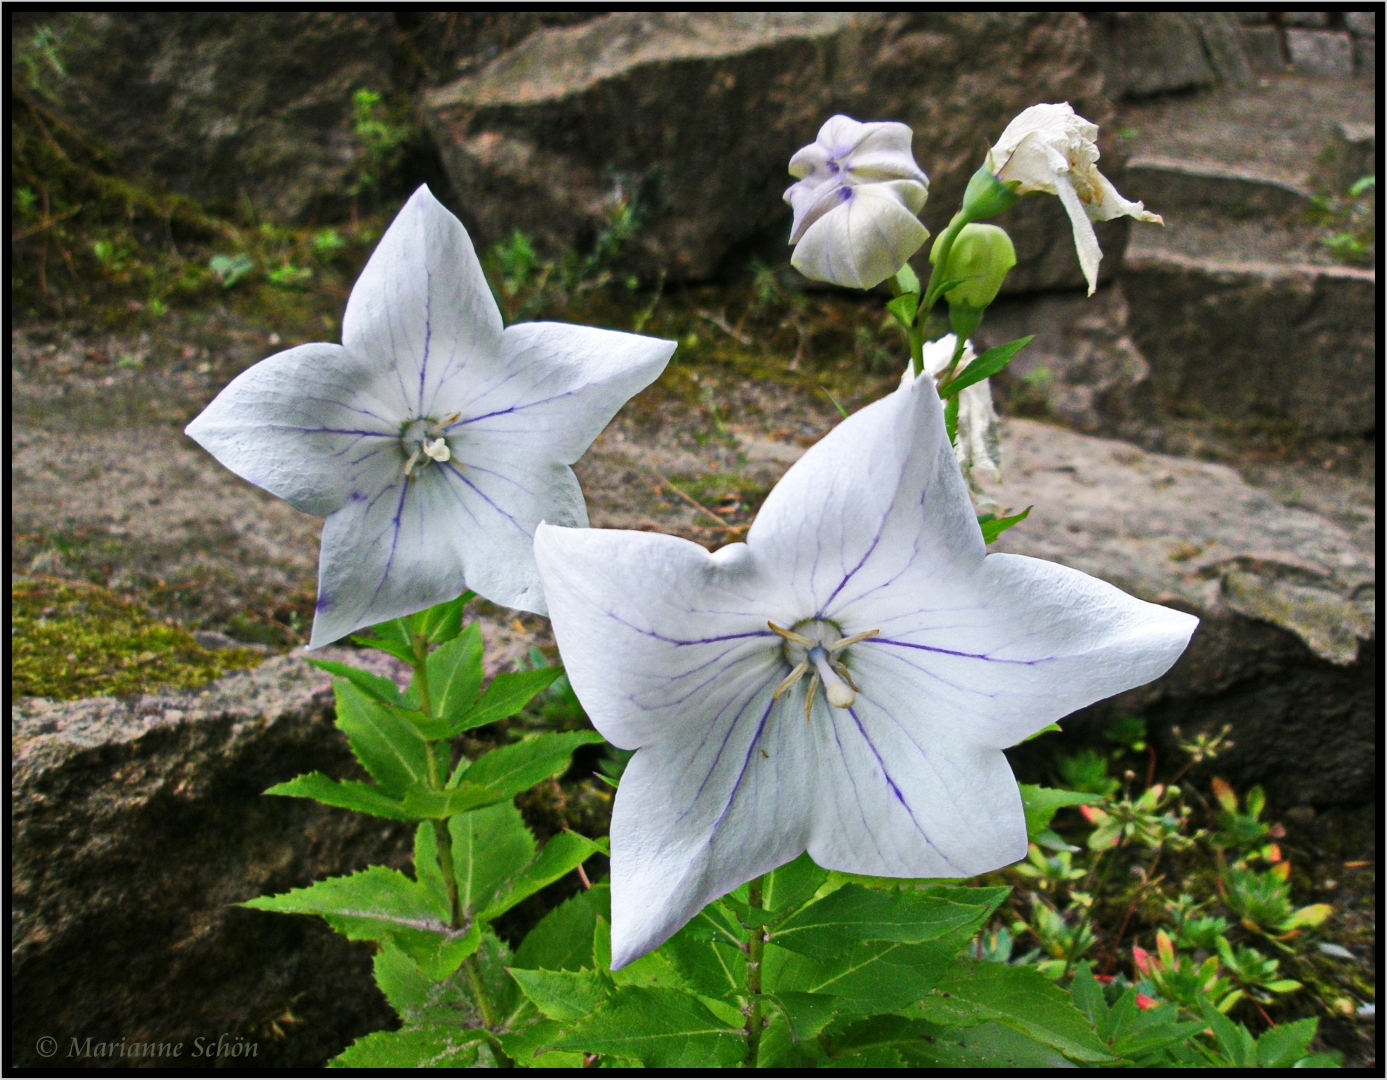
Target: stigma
x: 814, y: 648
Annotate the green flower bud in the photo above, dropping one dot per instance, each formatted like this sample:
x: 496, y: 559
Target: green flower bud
x: 987, y: 195
x: 979, y: 258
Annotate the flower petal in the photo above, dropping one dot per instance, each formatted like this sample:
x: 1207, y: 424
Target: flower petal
x: 421, y: 311
x: 862, y: 242
x: 306, y: 425
x: 1085, y: 239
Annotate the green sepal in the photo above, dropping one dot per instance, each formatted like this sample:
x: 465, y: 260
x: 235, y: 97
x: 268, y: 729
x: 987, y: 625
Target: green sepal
x: 831, y: 926
x: 1042, y: 803
x: 386, y: 744
x: 985, y: 366
x: 344, y: 794
x: 378, y: 686
x: 1018, y: 996
x: 659, y: 1027
x: 903, y: 309
x: 507, y: 694
x: 512, y: 769
x: 1037, y: 734
x: 987, y: 196
x: 439, y: 1046
x: 564, y: 995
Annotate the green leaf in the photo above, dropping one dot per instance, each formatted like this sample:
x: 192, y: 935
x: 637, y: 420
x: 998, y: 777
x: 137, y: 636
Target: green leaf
x: 653, y: 969
x: 1042, y: 803
x: 442, y: 622
x: 512, y: 769
x: 944, y: 286
x: 788, y: 887
x: 1233, y: 1039
x: 525, y: 1041
x: 490, y: 847
x: 387, y: 746
x: 1019, y: 997
x: 1281, y: 1047
x: 831, y: 926
x: 993, y: 529
x: 392, y: 637
x: 346, y: 794
x: 422, y: 802
x: 708, y: 965
x: 921, y: 1044
x: 419, y: 1000
x: 434, y: 1047
x: 951, y: 419
x: 660, y: 1028
x: 906, y: 279
x: 377, y: 686
x: 903, y: 309
x: 380, y: 904
x: 562, y: 940
x: 561, y: 855
x: 873, y: 977
x: 455, y: 675
x: 807, y: 1014
x: 985, y: 366
x: 564, y: 995
x: 507, y: 695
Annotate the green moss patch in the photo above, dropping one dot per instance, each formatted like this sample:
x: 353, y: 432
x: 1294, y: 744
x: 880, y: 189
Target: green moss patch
x: 73, y: 640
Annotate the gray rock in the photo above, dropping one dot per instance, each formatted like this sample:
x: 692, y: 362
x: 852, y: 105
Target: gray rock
x: 1223, y: 45
x: 695, y: 117
x: 138, y: 824
x: 1365, y: 58
x: 226, y: 105
x: 1313, y: 19
x: 1082, y: 368
x: 1254, y: 340
x: 1287, y: 602
x: 1151, y: 52
x: 1321, y: 52
x: 1263, y: 48
x: 1361, y: 23
x: 1355, y: 152
x: 1172, y: 182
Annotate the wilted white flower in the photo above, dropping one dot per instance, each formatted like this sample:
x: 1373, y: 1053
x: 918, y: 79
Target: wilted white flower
x: 431, y: 439
x: 864, y: 576
x: 855, y: 204
x: 977, y: 445
x: 1050, y: 148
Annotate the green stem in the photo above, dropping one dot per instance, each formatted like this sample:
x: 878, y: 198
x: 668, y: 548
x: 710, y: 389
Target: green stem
x: 959, y: 343
x: 936, y: 278
x: 755, y: 950
x: 438, y: 763
x: 443, y: 840
x: 488, y: 1013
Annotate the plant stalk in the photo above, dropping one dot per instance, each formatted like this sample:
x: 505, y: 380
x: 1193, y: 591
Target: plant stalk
x: 438, y: 764
x: 931, y: 297
x: 755, y: 950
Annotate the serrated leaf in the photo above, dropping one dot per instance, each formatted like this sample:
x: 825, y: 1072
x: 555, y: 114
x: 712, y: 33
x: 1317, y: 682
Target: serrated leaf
x: 490, y: 847
x: 561, y: 855
x: 377, y: 686
x: 524, y: 1044
x: 951, y: 419
x: 564, y: 995
x: 1281, y: 1047
x: 1042, y: 803
x: 345, y: 794
x: 985, y: 366
x: 660, y: 1028
x: 434, y: 1047
x: 993, y: 529
x: 455, y: 676
x: 392, y: 637
x: 853, y: 914
x: 419, y: 1000
x: 873, y: 977
x: 713, y: 967
x: 1019, y: 997
x: 562, y: 940
x: 653, y: 969
x: 505, y: 696
x: 387, y: 746
x: 788, y: 887
x: 1233, y: 1039
x: 512, y: 769
x: 807, y: 1014
x: 423, y: 802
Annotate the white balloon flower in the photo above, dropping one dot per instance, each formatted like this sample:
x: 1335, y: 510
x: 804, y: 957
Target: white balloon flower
x: 843, y: 682
x: 431, y: 439
x: 855, y: 204
x: 1050, y: 148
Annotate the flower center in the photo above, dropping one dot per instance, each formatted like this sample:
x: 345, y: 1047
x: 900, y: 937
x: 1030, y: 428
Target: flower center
x: 816, y: 647
x: 422, y: 441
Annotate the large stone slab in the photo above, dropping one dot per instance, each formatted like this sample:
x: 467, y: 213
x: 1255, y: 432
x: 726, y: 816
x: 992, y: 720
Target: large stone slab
x: 1284, y: 652
x: 694, y: 116
x: 138, y: 824
x: 1258, y: 340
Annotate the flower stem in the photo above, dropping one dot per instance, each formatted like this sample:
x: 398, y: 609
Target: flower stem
x: 487, y: 1011
x: 755, y: 950
x: 438, y: 763
x: 936, y: 278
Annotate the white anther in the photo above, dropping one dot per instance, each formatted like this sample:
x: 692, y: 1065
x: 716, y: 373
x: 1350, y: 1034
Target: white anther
x: 438, y: 450
x: 790, y: 679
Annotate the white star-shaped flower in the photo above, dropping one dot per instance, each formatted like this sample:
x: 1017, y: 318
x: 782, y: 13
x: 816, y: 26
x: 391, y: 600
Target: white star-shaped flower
x: 855, y: 204
x: 431, y: 439
x: 1050, y: 148
x: 844, y: 682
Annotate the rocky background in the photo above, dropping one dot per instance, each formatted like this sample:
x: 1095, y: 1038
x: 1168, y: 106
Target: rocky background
x: 1201, y: 432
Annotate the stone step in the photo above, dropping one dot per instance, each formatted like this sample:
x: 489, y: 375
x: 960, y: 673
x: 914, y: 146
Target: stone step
x: 1258, y: 341
x: 1169, y: 183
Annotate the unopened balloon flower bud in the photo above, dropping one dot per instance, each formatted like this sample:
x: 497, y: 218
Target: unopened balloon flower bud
x: 979, y: 260
x: 987, y: 196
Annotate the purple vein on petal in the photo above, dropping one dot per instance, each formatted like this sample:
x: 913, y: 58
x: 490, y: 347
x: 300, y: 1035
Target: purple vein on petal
x: 740, y: 711
x: 881, y: 528
x: 965, y: 655
x: 897, y: 791
x: 428, y: 337
x: 690, y: 641
x: 487, y: 499
x: 741, y: 775
x: 395, y: 522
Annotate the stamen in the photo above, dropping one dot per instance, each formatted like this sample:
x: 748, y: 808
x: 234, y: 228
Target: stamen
x: 438, y: 450
x: 842, y: 670
x: 412, y: 459
x: 843, y: 643
x: 790, y: 635
x: 790, y: 680
x: 839, y: 694
x: 809, y: 697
